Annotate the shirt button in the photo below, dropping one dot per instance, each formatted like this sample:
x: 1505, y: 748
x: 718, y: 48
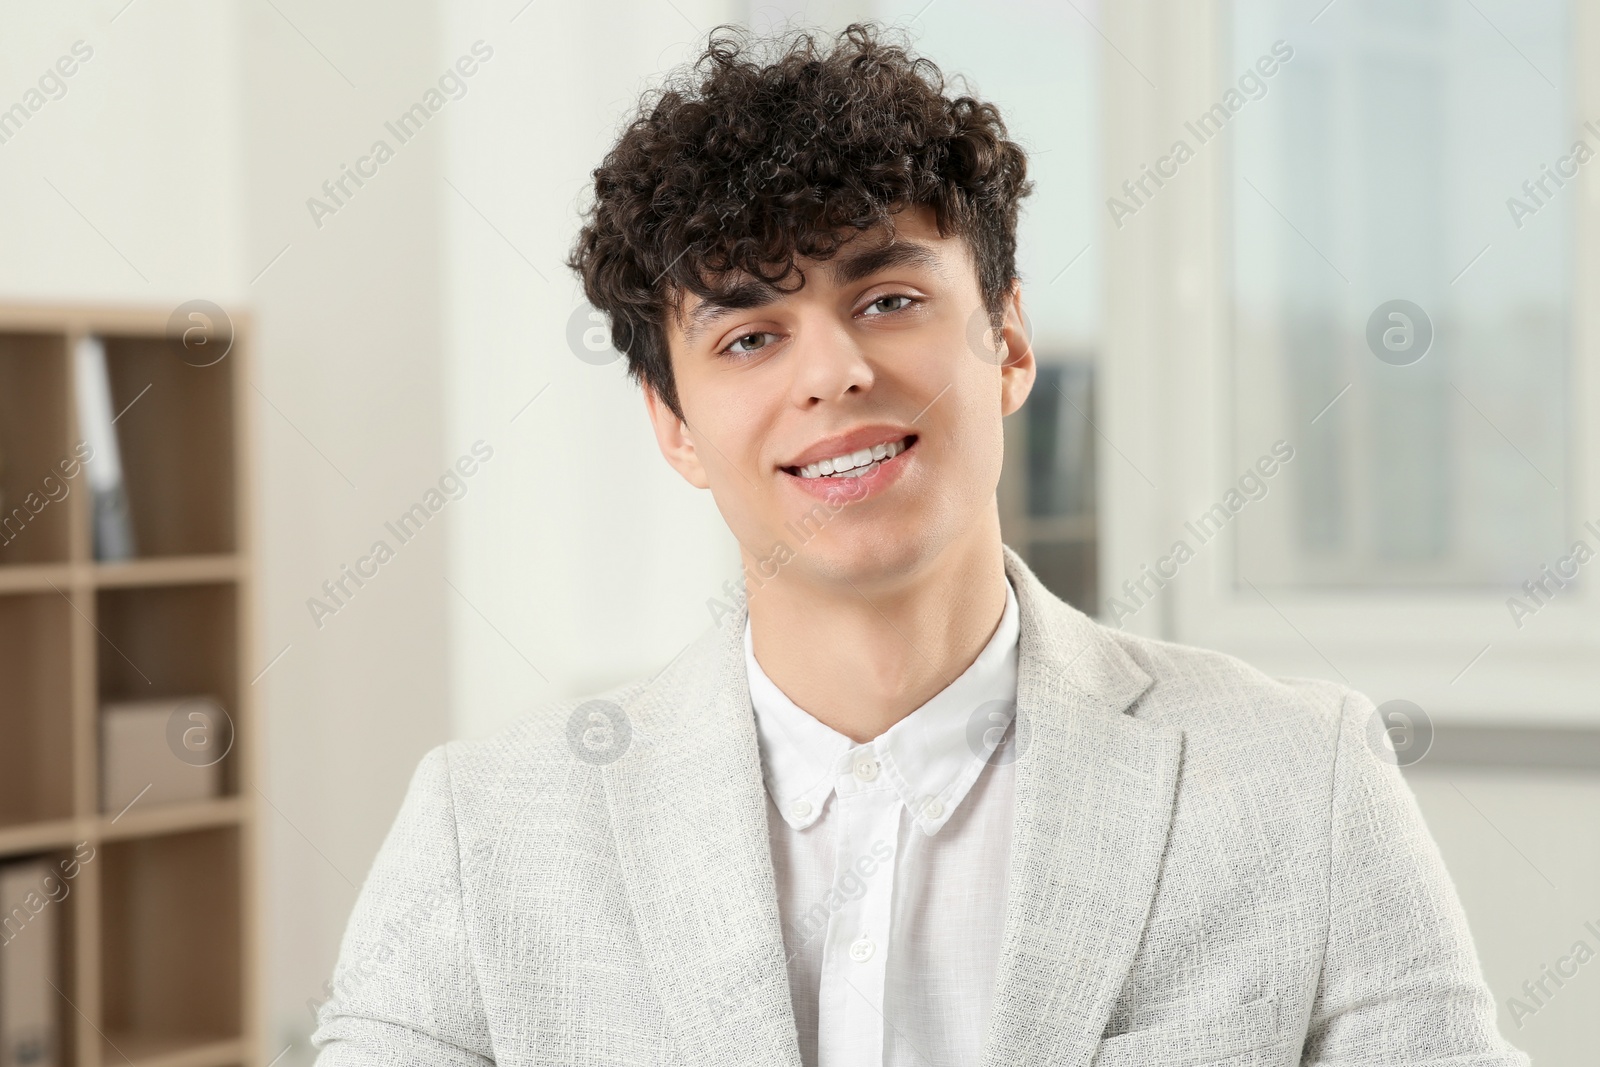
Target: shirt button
x: 933, y: 808
x: 801, y: 809
x: 861, y: 951
x: 867, y: 770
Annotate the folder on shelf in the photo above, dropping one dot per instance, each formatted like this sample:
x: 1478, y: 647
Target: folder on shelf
x: 28, y: 941
x: 113, y: 524
x: 145, y: 757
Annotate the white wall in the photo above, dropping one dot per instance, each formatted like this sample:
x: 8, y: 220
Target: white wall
x: 350, y: 334
x: 584, y: 560
x: 155, y: 105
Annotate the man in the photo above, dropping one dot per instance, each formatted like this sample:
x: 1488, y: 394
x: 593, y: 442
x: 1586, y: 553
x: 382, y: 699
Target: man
x: 903, y: 806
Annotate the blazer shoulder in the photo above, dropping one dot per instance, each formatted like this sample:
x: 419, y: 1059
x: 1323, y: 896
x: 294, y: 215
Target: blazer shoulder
x: 552, y: 754
x: 1206, y: 692
x: 561, y: 732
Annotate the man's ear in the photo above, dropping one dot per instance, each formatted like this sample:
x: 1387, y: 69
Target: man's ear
x: 1020, y: 368
x: 673, y: 437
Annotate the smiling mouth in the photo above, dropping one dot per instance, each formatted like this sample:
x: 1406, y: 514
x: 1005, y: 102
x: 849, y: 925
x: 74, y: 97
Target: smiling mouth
x: 854, y: 464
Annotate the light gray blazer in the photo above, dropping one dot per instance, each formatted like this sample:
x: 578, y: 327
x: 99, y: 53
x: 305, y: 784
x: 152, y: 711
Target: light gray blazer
x: 1209, y: 866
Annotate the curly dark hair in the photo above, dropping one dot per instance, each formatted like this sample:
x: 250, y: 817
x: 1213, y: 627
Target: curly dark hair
x: 741, y: 163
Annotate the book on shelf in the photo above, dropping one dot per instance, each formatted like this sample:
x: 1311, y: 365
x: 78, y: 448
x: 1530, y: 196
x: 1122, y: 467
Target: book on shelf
x: 113, y: 524
x: 28, y: 938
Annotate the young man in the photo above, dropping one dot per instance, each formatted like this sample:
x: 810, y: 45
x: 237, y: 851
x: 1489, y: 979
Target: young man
x: 903, y: 806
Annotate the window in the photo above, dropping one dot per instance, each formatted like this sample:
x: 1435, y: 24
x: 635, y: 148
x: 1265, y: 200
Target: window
x: 1369, y: 251
x: 1406, y: 152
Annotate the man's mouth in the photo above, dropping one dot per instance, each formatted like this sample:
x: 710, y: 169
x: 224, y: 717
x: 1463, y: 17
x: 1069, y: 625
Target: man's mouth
x: 854, y: 464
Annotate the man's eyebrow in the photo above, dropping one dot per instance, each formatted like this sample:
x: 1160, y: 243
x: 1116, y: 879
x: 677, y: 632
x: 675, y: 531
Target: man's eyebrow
x: 741, y: 297
x: 848, y: 268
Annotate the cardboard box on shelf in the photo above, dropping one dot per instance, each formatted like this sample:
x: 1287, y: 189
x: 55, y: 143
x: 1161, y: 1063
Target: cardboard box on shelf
x: 161, y: 751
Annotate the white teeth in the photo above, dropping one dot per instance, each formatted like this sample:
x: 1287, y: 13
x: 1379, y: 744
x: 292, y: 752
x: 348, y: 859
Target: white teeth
x: 854, y: 464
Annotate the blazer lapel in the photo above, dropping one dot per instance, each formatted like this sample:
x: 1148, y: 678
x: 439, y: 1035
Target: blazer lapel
x: 1094, y: 799
x: 689, y: 815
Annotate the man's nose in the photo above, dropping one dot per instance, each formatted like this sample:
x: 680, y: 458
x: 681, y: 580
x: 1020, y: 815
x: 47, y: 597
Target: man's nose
x: 829, y: 361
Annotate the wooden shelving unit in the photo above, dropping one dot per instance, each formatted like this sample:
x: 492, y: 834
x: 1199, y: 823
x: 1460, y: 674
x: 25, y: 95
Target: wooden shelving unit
x: 156, y: 958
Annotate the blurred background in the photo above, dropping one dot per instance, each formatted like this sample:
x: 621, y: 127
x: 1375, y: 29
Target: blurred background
x: 1305, y: 279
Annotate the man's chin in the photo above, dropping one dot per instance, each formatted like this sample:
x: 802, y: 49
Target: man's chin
x: 858, y: 559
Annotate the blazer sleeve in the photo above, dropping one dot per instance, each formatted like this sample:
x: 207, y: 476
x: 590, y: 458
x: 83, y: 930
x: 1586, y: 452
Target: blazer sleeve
x: 1400, y: 980
x: 404, y: 989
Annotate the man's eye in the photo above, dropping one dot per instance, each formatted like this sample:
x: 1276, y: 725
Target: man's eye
x: 886, y: 304
x: 750, y: 342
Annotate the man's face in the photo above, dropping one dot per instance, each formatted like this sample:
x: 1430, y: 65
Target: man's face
x: 879, y: 370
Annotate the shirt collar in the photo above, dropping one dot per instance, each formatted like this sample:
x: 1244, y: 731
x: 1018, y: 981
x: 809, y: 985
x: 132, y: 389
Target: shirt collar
x: 931, y: 757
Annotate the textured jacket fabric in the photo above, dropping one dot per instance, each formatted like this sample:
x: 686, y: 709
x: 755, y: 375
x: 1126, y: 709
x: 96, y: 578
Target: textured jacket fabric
x: 1208, y: 866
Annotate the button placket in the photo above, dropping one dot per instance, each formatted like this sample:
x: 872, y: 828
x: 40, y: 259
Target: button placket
x: 855, y: 957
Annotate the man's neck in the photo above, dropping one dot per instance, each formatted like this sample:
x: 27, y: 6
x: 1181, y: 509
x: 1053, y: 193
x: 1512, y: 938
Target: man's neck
x: 859, y: 657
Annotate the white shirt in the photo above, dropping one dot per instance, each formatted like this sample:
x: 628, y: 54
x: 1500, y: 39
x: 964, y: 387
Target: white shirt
x: 890, y: 860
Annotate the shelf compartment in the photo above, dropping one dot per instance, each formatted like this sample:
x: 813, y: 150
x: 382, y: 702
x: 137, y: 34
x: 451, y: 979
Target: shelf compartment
x: 171, y: 641
x: 51, y: 911
x: 35, y: 453
x: 35, y: 708
x: 175, y: 434
x: 171, y: 961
